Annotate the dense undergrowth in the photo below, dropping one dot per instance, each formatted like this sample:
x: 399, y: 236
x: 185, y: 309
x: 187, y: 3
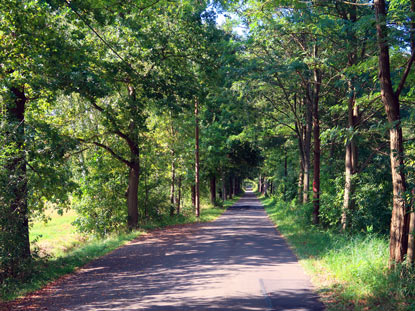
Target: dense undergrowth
x: 43, y: 270
x: 350, y: 270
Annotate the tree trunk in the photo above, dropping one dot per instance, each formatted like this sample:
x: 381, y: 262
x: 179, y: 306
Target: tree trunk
x: 213, y: 189
x: 266, y: 187
x: 230, y: 187
x: 353, y: 115
x: 134, y: 176
x: 285, y: 175
x: 411, y: 231
x: 172, y: 185
x: 132, y: 197
x: 350, y: 160
x: 260, y: 184
x: 146, y: 189
x: 179, y: 195
x: 16, y: 226
x: 307, y: 148
x: 193, y: 193
x: 316, y: 134
x: 223, y: 187
x: 234, y: 185
x: 300, y: 181
x: 197, y: 187
x: 399, y: 221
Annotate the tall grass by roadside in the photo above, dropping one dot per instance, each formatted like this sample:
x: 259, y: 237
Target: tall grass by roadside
x: 44, y: 270
x: 349, y: 270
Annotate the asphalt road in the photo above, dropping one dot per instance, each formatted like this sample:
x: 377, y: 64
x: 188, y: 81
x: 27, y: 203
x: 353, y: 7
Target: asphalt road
x: 238, y: 262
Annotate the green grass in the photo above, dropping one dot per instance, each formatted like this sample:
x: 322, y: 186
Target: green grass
x: 64, y: 257
x: 350, y: 271
x: 56, y: 236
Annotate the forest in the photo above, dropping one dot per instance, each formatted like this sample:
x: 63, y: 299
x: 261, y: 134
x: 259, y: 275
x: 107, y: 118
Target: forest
x: 127, y: 112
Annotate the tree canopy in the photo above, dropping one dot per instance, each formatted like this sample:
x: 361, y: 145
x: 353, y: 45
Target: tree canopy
x: 123, y: 110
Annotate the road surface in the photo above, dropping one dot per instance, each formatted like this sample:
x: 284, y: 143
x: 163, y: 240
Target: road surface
x: 238, y: 262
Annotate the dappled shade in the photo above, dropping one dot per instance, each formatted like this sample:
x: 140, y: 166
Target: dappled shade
x: 238, y: 262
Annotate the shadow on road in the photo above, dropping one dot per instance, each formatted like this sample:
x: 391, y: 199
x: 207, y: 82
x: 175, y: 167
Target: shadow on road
x: 238, y: 262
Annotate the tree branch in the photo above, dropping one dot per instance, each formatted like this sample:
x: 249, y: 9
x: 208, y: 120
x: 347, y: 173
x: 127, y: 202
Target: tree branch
x: 109, y: 150
x: 405, y: 74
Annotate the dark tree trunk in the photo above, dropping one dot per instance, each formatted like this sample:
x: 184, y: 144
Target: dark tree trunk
x: 146, y: 189
x: 132, y: 196
x: 224, y: 187
x: 316, y: 134
x: 134, y: 176
x: 213, y: 189
x: 172, y: 186
x: 300, y: 181
x: 285, y: 175
x: 230, y: 187
x: 197, y: 187
x: 399, y: 221
x: 411, y: 231
x: 193, y: 192
x: 234, y: 185
x: 179, y: 195
x: 307, y: 148
x: 17, y: 224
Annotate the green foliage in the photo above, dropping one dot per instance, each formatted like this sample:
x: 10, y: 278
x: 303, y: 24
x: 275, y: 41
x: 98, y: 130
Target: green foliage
x: 99, y: 201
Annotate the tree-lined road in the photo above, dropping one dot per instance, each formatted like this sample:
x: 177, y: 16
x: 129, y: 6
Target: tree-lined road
x: 238, y: 262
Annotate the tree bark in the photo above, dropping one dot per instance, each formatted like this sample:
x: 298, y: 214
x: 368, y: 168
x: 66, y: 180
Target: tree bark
x: 134, y: 175
x: 230, y: 187
x: 350, y: 159
x: 285, y: 175
x: 17, y: 224
x: 179, y: 195
x: 213, y: 189
x: 197, y: 187
x: 307, y: 150
x: 411, y: 231
x: 223, y: 187
x: 300, y: 181
x: 353, y: 115
x: 132, y: 196
x: 316, y: 134
x: 193, y: 194
x: 399, y: 221
x: 146, y: 189
x: 172, y: 186
x: 265, y: 187
x: 260, y: 184
x: 233, y: 185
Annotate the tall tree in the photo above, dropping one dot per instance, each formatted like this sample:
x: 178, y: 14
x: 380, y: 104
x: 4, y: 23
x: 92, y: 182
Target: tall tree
x: 390, y: 99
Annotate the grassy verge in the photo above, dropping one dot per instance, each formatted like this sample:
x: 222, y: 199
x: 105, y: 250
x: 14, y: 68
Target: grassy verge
x: 350, y: 271
x: 62, y: 262
x: 56, y: 236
